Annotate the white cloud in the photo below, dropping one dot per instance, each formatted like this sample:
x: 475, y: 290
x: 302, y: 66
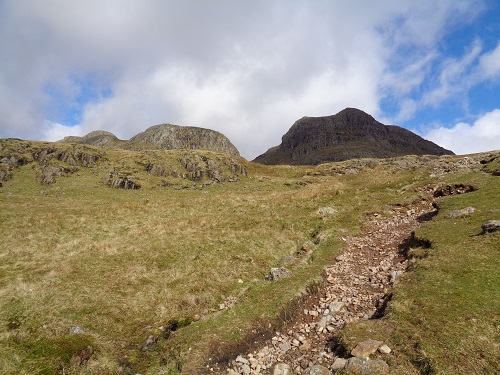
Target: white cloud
x: 246, y: 68
x: 489, y: 64
x: 52, y: 131
x: 453, y: 76
x: 407, y: 109
x: 463, y: 138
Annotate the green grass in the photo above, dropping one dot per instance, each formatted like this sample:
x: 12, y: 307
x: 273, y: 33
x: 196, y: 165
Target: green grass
x: 444, y: 317
x: 121, y: 264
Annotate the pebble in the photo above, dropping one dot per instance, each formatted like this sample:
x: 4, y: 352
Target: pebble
x: 357, y: 284
x: 384, y: 349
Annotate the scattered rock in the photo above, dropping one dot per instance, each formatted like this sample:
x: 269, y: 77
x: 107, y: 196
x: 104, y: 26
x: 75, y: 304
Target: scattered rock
x: 124, y: 183
x: 323, y: 211
x: 384, y: 349
x: 357, y: 284
x: 338, y: 364
x: 246, y: 369
x: 336, y: 306
x: 394, y: 275
x: 282, y: 369
x: 366, y: 366
x: 454, y: 189
x: 462, y: 212
x: 491, y: 226
x: 308, y: 246
x: 278, y: 273
x: 76, y: 331
x: 365, y: 348
x: 241, y: 359
x: 318, y: 370
x: 285, y: 346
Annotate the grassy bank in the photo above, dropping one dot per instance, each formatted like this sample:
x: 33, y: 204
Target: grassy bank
x: 444, y: 315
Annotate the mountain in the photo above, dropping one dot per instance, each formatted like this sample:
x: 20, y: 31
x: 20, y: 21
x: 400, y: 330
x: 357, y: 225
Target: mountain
x: 173, y: 137
x: 164, y: 136
x: 349, y: 134
x: 155, y: 261
x: 95, y: 138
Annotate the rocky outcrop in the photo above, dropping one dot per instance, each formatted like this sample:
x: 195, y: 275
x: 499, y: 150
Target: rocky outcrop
x: 164, y: 136
x: 349, y: 134
x: 174, y: 137
x: 95, y: 138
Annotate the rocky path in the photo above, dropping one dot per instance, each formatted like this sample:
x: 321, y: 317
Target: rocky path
x: 356, y: 287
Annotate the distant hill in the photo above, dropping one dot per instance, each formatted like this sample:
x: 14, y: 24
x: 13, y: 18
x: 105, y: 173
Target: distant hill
x: 349, y: 134
x: 174, y: 137
x: 164, y: 136
x: 95, y: 138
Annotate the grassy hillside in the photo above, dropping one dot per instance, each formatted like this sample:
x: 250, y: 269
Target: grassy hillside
x: 444, y: 315
x: 172, y: 271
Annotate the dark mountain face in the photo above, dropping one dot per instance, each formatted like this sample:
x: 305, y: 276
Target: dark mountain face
x: 349, y: 134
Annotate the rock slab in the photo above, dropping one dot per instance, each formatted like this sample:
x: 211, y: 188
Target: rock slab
x: 365, y: 348
x: 366, y: 366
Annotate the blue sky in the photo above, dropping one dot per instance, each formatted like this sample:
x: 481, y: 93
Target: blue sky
x: 250, y: 69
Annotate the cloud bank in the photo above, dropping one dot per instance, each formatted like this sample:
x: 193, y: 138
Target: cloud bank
x: 248, y: 69
x: 463, y: 138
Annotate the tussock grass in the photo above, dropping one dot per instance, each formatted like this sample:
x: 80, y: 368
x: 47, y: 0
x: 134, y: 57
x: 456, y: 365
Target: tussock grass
x: 123, y: 264
x: 444, y: 315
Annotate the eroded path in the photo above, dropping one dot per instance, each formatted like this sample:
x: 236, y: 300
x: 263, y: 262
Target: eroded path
x: 356, y: 287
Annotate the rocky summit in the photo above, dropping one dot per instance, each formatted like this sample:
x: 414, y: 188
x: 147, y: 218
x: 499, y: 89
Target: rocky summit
x: 168, y: 136
x: 349, y: 134
x: 95, y: 138
x: 164, y: 136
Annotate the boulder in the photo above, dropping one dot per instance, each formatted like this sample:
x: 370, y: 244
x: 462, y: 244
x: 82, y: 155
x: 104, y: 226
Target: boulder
x: 366, y: 366
x: 491, y: 226
x: 384, y: 349
x: 308, y: 246
x: 463, y: 212
x: 365, y: 348
x: 282, y: 369
x: 338, y: 364
x: 317, y: 370
x: 278, y: 273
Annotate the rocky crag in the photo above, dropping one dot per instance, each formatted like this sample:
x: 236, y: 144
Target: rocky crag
x: 179, y: 169
x: 349, y: 134
x: 164, y: 136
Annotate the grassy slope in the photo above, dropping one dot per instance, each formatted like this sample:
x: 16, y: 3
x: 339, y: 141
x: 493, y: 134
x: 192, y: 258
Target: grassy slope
x: 121, y: 264
x: 444, y: 315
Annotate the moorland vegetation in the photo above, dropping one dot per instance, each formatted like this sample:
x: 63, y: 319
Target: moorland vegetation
x: 155, y: 261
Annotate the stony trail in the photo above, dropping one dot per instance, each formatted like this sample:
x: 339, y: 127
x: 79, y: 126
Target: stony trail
x: 356, y: 287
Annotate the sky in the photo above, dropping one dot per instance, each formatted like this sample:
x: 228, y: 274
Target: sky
x: 250, y: 69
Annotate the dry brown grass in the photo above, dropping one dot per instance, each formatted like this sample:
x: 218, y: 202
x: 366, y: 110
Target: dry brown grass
x: 121, y: 264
